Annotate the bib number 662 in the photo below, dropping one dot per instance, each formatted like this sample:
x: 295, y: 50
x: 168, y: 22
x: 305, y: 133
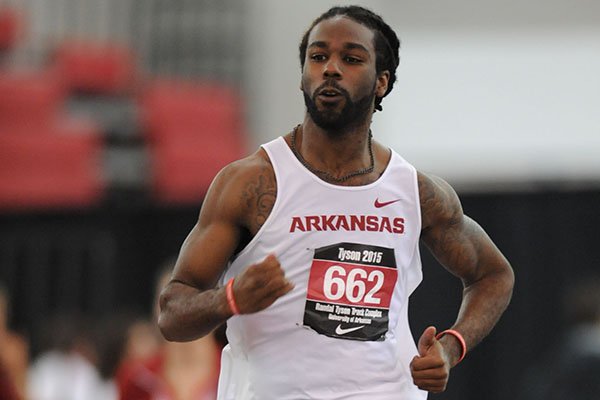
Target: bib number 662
x: 357, y: 285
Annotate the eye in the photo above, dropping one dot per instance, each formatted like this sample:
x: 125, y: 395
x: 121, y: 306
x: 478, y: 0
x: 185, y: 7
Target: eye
x: 317, y: 57
x: 352, y: 60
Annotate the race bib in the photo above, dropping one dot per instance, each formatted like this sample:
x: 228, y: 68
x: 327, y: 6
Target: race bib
x: 350, y: 289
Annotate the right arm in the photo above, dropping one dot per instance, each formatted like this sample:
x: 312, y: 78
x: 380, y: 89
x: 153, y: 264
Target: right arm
x: 191, y: 306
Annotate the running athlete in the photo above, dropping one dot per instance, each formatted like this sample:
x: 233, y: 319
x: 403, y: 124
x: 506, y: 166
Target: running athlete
x: 308, y: 248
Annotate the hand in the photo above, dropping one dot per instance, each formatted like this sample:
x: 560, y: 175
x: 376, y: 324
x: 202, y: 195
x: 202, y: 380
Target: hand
x: 430, y: 370
x: 260, y: 285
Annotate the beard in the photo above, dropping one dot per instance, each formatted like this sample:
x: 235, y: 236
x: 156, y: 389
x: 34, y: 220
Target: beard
x: 353, y: 113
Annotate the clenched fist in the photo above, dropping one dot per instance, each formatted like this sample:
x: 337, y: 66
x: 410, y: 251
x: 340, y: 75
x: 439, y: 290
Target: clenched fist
x: 430, y: 370
x: 260, y: 285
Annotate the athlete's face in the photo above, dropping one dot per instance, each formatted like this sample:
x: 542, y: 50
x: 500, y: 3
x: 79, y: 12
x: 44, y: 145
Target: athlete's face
x: 339, y: 79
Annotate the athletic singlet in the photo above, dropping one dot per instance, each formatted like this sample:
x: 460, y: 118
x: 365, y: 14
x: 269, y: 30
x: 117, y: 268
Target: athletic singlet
x: 352, y: 254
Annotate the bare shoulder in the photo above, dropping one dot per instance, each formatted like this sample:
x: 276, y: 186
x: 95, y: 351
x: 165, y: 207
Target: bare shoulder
x: 439, y: 202
x: 243, y: 192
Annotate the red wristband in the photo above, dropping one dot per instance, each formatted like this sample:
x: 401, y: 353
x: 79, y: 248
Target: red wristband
x: 230, y: 299
x: 459, y: 337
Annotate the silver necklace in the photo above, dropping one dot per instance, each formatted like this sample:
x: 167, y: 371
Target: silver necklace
x: 326, y: 175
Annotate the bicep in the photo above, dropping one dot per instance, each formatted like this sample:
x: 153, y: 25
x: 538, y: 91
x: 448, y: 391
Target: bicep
x: 205, y: 253
x: 214, y: 238
x: 463, y: 248
x: 456, y: 241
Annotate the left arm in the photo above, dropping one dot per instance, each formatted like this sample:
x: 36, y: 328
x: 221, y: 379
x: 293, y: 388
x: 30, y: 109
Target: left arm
x: 466, y: 251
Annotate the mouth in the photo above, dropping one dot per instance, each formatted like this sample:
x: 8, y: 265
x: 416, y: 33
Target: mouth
x: 330, y: 96
x: 329, y: 93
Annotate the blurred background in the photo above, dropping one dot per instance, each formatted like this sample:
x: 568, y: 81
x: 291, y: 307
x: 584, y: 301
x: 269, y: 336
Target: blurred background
x: 116, y: 114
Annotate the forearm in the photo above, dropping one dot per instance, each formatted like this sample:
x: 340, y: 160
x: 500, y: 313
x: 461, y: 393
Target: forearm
x: 187, y: 313
x: 465, y: 250
x: 483, y: 303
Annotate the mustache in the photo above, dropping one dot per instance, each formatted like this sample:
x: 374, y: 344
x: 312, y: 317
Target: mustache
x: 331, y: 84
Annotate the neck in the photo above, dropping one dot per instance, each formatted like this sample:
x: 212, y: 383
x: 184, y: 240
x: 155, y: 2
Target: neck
x: 343, y: 135
x: 334, y: 156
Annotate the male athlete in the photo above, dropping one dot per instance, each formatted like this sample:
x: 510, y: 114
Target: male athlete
x: 315, y: 240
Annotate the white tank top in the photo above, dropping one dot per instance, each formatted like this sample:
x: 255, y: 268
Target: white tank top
x: 353, y: 256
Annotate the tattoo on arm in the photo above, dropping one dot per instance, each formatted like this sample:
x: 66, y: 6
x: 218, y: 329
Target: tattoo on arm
x: 465, y: 250
x: 259, y: 197
x: 446, y: 230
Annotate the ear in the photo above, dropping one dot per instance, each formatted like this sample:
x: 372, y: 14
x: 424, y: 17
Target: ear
x: 382, y: 83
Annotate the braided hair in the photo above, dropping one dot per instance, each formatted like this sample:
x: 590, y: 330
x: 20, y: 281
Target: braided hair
x: 387, y: 43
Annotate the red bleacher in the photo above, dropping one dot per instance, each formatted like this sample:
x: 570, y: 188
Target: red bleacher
x: 97, y: 68
x: 193, y: 130
x: 46, y: 159
x: 55, y: 167
x: 30, y: 98
x: 9, y: 28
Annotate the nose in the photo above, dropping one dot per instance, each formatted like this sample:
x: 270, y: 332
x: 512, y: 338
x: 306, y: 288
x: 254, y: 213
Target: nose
x: 332, y: 69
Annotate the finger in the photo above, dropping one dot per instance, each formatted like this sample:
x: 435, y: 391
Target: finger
x: 273, y: 268
x: 271, y: 260
x: 281, y: 287
x: 289, y: 286
x: 425, y: 363
x: 283, y: 291
x: 415, y: 358
x: 433, y: 386
x: 431, y: 373
x: 426, y: 340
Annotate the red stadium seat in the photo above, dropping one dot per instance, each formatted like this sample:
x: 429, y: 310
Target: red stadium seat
x: 97, y: 68
x: 60, y: 168
x: 193, y: 131
x: 9, y: 28
x: 207, y: 107
x: 183, y: 171
x: 30, y: 98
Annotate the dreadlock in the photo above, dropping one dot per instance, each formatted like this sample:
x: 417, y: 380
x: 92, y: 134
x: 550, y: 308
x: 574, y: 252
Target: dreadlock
x: 386, y: 41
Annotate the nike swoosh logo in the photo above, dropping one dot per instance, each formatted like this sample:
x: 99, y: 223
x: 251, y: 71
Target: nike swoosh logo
x: 341, y: 331
x: 385, y: 203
